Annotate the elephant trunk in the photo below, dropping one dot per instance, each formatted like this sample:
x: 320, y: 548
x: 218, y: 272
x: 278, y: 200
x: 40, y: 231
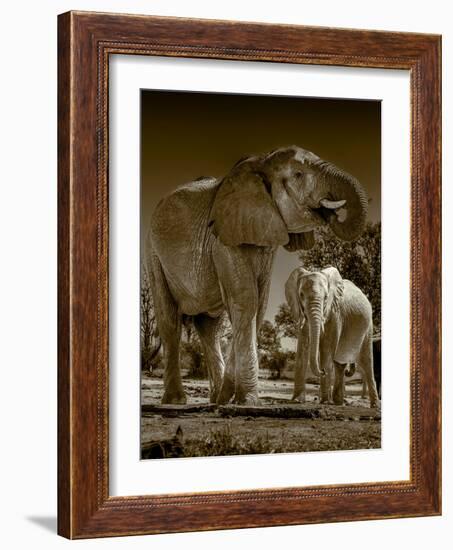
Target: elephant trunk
x: 350, y: 370
x: 340, y: 187
x: 314, y: 326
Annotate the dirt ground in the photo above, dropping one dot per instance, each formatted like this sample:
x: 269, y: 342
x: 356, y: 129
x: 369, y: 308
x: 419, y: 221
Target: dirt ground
x: 210, y: 433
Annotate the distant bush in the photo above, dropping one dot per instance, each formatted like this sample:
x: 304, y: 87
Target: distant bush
x: 191, y: 355
x: 291, y: 364
x: 192, y: 359
x: 271, y: 354
x: 278, y: 362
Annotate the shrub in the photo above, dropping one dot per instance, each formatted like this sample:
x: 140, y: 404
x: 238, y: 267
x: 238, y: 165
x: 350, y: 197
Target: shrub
x: 224, y: 442
x: 192, y: 359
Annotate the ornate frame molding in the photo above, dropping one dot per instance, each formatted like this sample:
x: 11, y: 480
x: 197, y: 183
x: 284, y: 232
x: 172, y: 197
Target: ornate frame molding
x: 86, y: 40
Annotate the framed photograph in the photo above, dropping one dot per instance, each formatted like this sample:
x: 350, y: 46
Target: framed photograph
x: 249, y: 275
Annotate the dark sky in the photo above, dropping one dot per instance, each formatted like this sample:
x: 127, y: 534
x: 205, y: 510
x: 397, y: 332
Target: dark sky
x: 186, y: 135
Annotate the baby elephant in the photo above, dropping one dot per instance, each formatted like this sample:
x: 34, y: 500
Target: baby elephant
x: 335, y: 328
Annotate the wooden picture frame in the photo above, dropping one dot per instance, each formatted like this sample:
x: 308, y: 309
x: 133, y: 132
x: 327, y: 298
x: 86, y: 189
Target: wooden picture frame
x: 85, y: 42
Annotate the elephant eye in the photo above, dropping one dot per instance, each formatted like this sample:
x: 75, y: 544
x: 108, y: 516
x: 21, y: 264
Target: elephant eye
x: 299, y: 174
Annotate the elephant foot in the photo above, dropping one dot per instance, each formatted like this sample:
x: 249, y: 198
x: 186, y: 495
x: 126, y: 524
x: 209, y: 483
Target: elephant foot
x: 300, y: 398
x: 330, y: 401
x: 250, y: 399
x: 214, y: 395
x: 226, y: 391
x: 338, y: 398
x: 174, y: 398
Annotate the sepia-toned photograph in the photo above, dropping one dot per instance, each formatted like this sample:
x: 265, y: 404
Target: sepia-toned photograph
x: 260, y: 291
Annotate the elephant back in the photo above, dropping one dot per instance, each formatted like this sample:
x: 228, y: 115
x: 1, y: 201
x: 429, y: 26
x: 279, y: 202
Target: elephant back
x: 180, y: 212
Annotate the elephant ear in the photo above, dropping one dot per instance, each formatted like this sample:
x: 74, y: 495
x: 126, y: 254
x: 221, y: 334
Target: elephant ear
x: 335, y: 289
x: 243, y: 211
x: 300, y: 241
x: 292, y: 294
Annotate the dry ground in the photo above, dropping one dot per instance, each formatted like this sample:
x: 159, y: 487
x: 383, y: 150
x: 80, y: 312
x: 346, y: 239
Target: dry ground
x: 210, y: 433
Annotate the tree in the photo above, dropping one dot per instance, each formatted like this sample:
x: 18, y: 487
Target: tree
x: 150, y: 340
x: 268, y: 338
x: 272, y: 356
x: 285, y: 323
x: 276, y: 363
x: 358, y: 260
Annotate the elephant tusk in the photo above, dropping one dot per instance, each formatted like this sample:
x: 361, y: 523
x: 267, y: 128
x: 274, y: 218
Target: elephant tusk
x: 332, y: 205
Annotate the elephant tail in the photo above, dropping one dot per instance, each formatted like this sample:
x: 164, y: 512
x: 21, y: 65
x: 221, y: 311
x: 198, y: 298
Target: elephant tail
x: 349, y: 370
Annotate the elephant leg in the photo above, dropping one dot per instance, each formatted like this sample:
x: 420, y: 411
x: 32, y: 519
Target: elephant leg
x: 245, y: 356
x: 229, y: 378
x: 169, y: 325
x: 242, y: 365
x: 338, y: 388
x: 264, y: 285
x: 300, y: 372
x: 208, y: 329
x: 236, y: 269
x: 365, y: 363
x: 325, y: 386
x: 364, y: 387
x: 377, y: 365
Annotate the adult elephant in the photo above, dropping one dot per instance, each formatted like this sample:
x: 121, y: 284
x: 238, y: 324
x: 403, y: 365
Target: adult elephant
x: 335, y: 329
x: 211, y: 247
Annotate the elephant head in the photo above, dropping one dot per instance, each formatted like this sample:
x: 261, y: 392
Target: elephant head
x: 312, y: 297
x: 281, y: 197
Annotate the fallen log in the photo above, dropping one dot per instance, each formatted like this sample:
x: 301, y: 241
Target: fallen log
x: 176, y: 410
x: 271, y: 411
x: 276, y: 410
